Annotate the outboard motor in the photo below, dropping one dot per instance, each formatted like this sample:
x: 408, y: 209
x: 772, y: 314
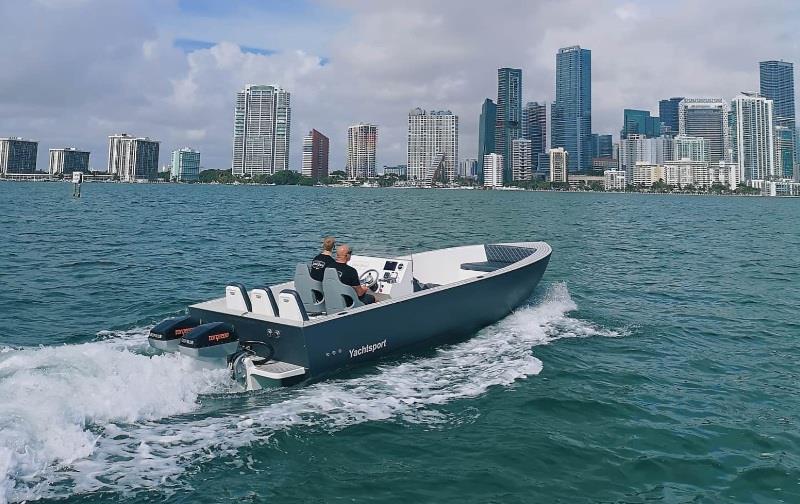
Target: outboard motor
x: 166, y: 335
x: 214, y: 341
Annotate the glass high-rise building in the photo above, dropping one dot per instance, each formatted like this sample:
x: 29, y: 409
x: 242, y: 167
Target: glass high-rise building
x: 571, y: 114
x: 66, y: 160
x: 534, y: 128
x: 640, y: 122
x: 132, y: 158
x: 777, y: 84
x: 668, y: 113
x: 17, y: 155
x: 185, y: 165
x: 602, y: 146
x: 508, y: 125
x: 261, y: 130
x: 486, y: 127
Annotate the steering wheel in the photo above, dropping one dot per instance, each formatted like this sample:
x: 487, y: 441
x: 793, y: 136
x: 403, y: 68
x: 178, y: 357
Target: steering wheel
x: 369, y: 279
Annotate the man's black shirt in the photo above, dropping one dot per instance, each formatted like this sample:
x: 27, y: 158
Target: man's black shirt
x: 318, y: 265
x: 347, y: 274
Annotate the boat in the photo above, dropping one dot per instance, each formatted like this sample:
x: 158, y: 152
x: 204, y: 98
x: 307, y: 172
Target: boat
x: 305, y: 330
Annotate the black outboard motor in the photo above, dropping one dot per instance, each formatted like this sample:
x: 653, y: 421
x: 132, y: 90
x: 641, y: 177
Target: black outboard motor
x: 214, y: 341
x: 166, y: 335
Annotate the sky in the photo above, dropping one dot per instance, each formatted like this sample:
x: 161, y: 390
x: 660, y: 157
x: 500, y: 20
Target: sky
x: 75, y: 71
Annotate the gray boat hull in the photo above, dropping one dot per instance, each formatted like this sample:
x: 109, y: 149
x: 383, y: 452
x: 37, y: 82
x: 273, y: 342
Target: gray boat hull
x: 354, y: 337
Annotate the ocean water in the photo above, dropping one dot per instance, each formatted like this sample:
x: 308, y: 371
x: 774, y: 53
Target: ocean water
x: 657, y: 360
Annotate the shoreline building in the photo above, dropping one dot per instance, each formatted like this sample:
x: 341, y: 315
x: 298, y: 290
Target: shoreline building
x: 432, y: 145
x: 640, y: 149
x: 486, y: 132
x: 614, y: 180
x: 493, y: 166
x: 707, y: 118
x: 559, y: 165
x: 571, y: 113
x: 777, y: 84
x: 469, y: 168
x: 754, y: 139
x: 18, y: 155
x: 521, y: 160
x: 508, y: 125
x: 132, y: 158
x: 534, y: 128
x: 316, y: 150
x: 396, y: 170
x: 185, y: 165
x: 66, y: 160
x: 688, y: 147
x: 668, y: 113
x: 261, y: 130
x: 362, y: 140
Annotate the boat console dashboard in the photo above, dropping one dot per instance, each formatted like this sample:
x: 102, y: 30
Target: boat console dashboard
x: 395, y: 276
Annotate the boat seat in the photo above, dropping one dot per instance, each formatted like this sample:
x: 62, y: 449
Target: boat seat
x: 310, y: 290
x: 263, y: 302
x: 498, y: 256
x: 291, y: 306
x: 236, y: 297
x: 338, y: 296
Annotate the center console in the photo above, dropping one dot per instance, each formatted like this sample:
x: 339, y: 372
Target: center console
x: 395, y: 276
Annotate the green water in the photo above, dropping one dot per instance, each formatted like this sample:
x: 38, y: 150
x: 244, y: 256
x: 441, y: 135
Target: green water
x: 657, y: 361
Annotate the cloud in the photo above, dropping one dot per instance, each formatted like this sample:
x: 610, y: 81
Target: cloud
x: 81, y: 70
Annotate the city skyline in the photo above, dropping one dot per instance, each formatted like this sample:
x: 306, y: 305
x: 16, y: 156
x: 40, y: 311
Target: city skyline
x: 175, y: 87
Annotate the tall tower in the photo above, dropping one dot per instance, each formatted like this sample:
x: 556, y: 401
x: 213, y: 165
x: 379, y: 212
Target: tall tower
x: 362, y: 140
x: 132, y: 158
x: 571, y: 120
x: 668, y: 112
x: 534, y: 128
x: 707, y: 118
x: 432, y: 145
x: 316, y: 148
x: 486, y: 129
x: 777, y: 84
x: 509, y: 114
x: 755, y: 142
x: 261, y: 130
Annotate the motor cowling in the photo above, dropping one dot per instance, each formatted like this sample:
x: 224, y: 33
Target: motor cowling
x: 212, y: 341
x: 166, y: 335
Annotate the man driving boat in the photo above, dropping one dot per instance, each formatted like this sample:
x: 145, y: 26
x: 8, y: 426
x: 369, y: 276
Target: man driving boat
x: 348, y: 274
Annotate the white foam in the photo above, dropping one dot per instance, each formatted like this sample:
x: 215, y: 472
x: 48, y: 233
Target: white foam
x: 100, y: 416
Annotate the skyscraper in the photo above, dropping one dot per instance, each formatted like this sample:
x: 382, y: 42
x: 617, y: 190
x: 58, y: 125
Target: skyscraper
x: 754, y: 136
x: 261, y: 130
x: 521, y: 160
x: 706, y: 118
x: 534, y: 128
x: 639, y: 122
x: 777, y: 84
x: 362, y: 140
x: 668, y: 113
x: 571, y: 121
x: 17, y: 155
x: 132, y: 158
x: 602, y: 146
x: 469, y: 168
x: 784, y: 152
x: 67, y: 160
x: 509, y: 114
x: 486, y: 128
x: 432, y: 145
x: 316, y: 148
x: 640, y: 149
x: 185, y: 165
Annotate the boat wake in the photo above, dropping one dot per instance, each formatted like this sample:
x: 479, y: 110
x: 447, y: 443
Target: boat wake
x: 110, y: 416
